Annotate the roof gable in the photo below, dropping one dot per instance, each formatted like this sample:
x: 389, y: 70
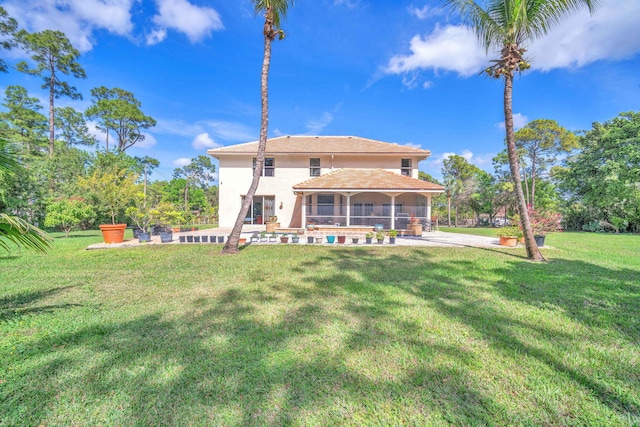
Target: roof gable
x: 319, y: 145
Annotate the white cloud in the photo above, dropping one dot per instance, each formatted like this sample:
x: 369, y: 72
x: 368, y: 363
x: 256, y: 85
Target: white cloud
x: 450, y: 48
x: 427, y: 85
x: 182, y: 161
x: 437, y: 162
x: 156, y: 36
x: 351, y: 4
x: 315, y: 126
x: 78, y: 19
x: 611, y: 33
x: 203, y: 141
x: 227, y: 131
x: 100, y: 136
x: 412, y: 145
x: 148, y: 142
x: 194, y: 21
x: 410, y: 81
x: 519, y: 121
x: 424, y: 12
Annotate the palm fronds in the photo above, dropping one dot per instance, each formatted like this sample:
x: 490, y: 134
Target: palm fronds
x: 21, y: 233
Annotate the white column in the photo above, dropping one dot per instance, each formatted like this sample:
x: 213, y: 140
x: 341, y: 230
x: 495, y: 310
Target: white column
x: 429, y: 211
x: 304, y: 211
x: 393, y: 212
x: 348, y: 210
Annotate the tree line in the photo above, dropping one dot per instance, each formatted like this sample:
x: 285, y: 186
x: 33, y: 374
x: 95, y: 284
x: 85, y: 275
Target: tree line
x: 591, y: 178
x: 57, y: 175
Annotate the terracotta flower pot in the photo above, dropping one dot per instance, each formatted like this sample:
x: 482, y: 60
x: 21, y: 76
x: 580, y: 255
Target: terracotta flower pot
x: 508, y: 241
x: 113, y: 233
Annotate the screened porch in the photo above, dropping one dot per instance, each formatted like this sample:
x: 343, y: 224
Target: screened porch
x: 391, y: 210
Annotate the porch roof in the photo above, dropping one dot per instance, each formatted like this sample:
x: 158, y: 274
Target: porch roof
x: 367, y: 179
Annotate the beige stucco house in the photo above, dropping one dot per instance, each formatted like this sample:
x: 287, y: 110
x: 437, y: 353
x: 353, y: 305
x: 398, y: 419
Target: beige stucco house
x: 326, y: 180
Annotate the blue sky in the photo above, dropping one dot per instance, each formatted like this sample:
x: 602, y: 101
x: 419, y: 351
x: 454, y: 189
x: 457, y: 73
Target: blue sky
x: 397, y: 71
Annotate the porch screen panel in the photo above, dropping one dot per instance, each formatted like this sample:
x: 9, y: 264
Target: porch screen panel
x: 325, y: 204
x: 368, y: 209
x: 310, y: 204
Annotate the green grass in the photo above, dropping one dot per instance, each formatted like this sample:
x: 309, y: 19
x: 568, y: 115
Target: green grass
x: 311, y: 335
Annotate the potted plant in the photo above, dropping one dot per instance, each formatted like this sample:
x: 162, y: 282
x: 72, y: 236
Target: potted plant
x: 342, y: 239
x: 415, y: 226
x: 542, y: 223
x: 165, y: 214
x: 284, y: 238
x: 380, y: 236
x: 392, y: 236
x: 295, y: 238
x: 114, y: 188
x: 273, y: 237
x: 318, y: 239
x: 331, y: 239
x: 311, y: 227
x: 272, y: 224
x: 263, y: 236
x: 355, y: 240
x: 509, y: 235
x: 142, y: 219
x: 368, y: 237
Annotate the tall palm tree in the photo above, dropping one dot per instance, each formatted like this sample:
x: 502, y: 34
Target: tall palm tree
x: 14, y: 229
x: 508, y: 25
x: 274, y: 11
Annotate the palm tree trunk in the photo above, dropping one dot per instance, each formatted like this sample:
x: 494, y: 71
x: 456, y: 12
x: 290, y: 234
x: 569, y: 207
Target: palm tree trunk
x: 533, y: 253
x: 231, y: 246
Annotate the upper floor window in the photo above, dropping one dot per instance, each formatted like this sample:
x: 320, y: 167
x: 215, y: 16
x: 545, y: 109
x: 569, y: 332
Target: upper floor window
x: 314, y: 167
x: 405, y: 167
x: 269, y: 168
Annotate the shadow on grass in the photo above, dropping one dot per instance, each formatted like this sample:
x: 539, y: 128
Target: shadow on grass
x: 78, y: 236
x: 601, y: 300
x: 21, y: 304
x: 344, y: 341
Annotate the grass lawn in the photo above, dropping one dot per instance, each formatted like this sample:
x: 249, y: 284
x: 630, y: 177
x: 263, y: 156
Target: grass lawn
x: 317, y: 335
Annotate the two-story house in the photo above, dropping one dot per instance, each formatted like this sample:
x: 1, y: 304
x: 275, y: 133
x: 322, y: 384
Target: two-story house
x: 326, y: 180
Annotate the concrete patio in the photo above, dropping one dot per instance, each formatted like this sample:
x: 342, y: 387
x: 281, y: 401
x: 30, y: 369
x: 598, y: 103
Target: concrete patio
x: 433, y: 239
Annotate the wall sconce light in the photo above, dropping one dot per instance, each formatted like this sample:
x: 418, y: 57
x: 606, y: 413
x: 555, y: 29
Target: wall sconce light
x: 280, y: 205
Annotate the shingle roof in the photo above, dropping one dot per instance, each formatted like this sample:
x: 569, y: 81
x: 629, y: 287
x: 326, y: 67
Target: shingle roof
x: 304, y: 144
x: 367, y: 179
